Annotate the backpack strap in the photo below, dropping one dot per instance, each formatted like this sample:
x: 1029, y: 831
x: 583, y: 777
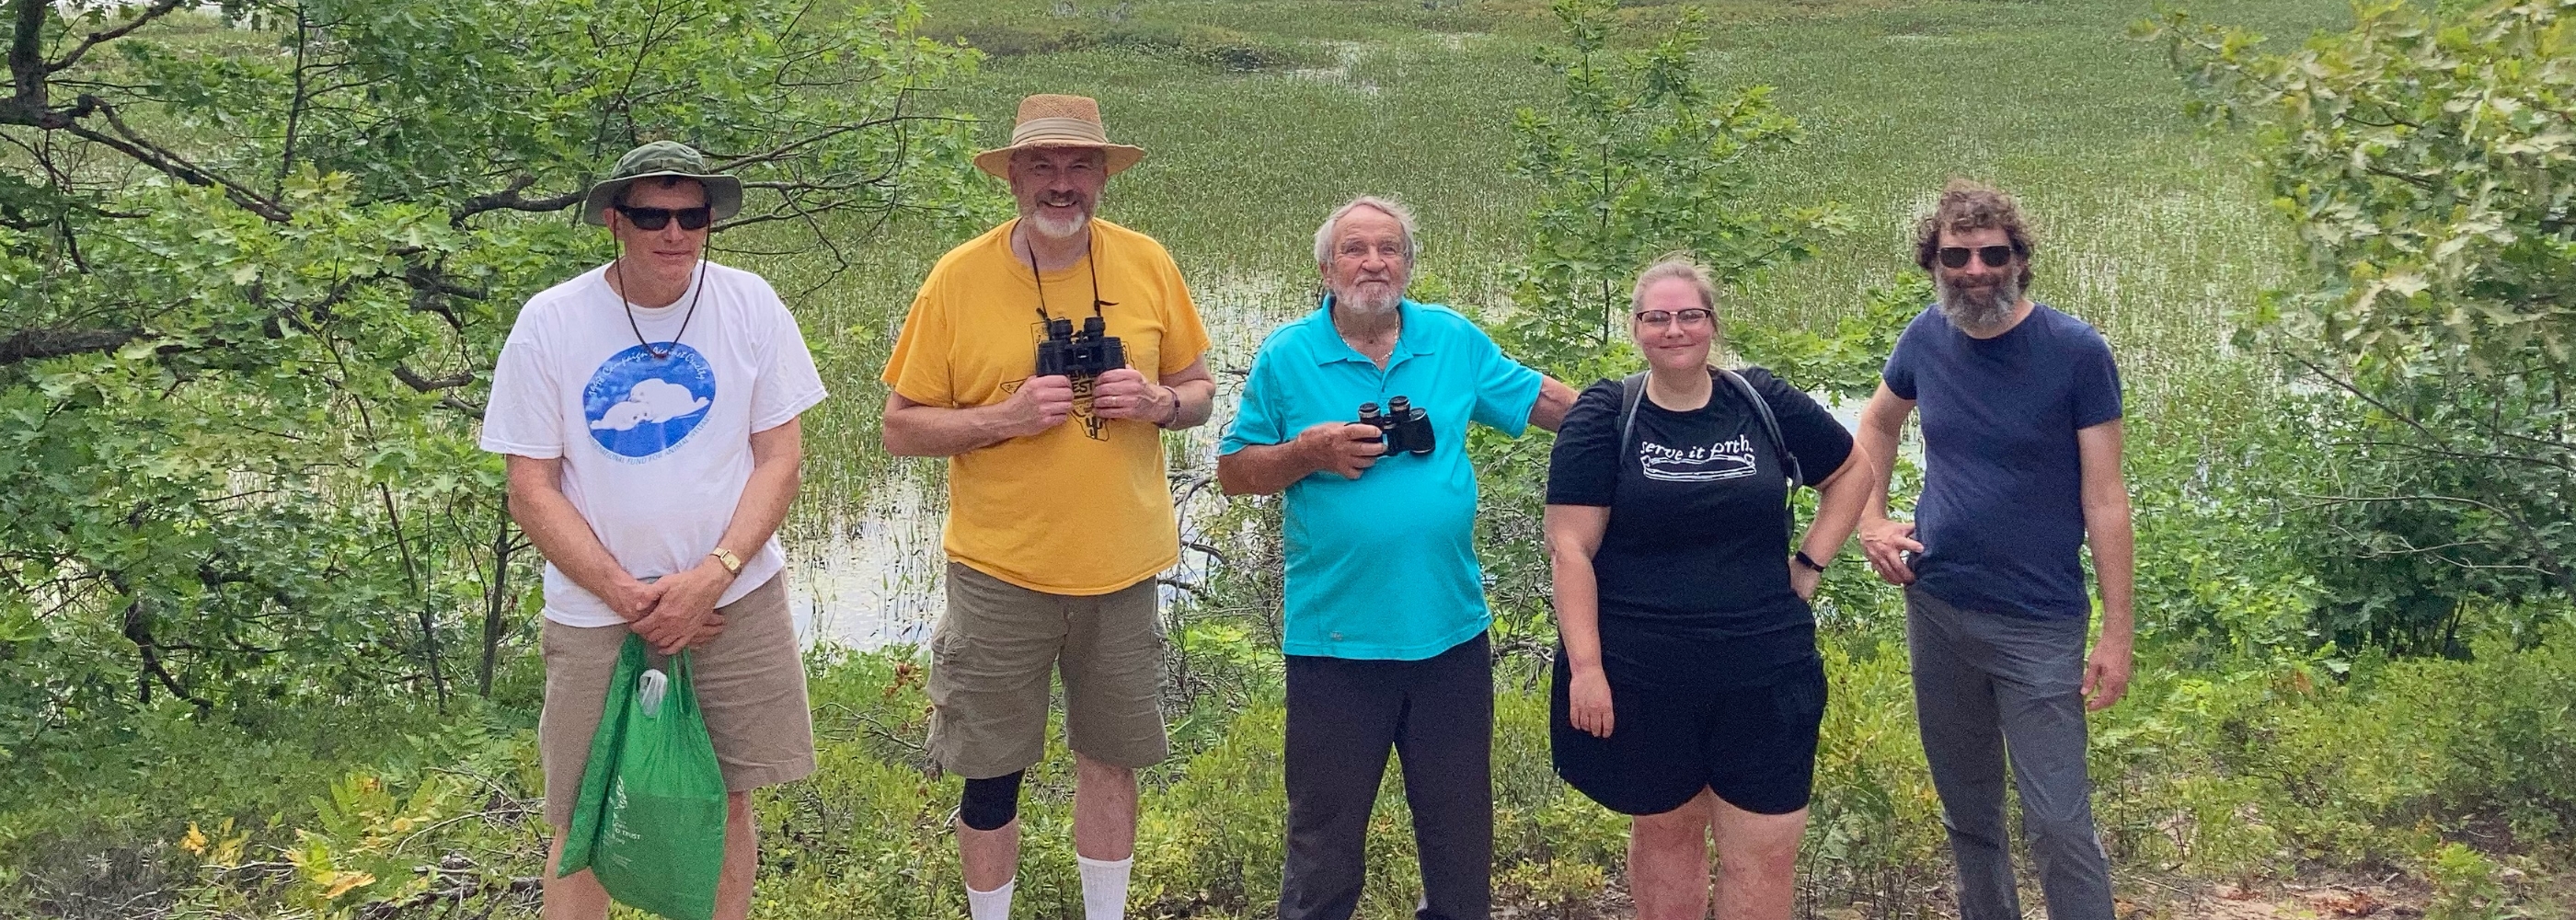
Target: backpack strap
x: 1770, y: 425
x: 1631, y: 392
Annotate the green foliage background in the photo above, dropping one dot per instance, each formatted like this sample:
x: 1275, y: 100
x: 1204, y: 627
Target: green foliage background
x: 239, y: 445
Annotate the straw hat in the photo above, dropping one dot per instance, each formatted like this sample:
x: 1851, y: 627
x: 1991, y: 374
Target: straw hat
x: 1050, y: 120
x: 658, y: 159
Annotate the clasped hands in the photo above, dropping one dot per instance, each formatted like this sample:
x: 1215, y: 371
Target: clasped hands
x: 1042, y: 403
x: 675, y: 611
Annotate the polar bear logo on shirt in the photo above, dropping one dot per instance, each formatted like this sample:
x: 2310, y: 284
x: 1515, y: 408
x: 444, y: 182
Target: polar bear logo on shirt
x: 652, y: 400
x: 639, y: 406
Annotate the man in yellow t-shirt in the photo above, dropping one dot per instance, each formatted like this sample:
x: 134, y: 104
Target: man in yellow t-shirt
x: 1059, y: 515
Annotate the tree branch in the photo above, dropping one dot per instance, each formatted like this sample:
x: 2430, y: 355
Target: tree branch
x: 418, y: 383
x: 27, y: 71
x: 133, y: 144
x: 510, y: 199
x: 157, y: 10
x: 39, y: 344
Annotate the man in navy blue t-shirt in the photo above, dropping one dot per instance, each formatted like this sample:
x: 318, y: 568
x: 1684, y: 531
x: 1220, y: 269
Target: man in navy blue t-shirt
x: 2021, y: 451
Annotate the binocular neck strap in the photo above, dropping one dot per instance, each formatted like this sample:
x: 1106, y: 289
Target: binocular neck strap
x: 1091, y: 255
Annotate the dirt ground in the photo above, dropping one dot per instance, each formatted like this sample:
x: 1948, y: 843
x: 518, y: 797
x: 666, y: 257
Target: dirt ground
x: 2144, y: 899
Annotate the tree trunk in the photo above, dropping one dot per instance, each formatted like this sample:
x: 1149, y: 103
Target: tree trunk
x: 496, y: 595
x: 420, y: 590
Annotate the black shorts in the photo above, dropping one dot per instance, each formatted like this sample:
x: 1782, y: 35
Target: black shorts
x: 1753, y: 744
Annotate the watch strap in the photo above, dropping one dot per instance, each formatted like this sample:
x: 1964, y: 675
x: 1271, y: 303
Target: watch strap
x: 1808, y: 561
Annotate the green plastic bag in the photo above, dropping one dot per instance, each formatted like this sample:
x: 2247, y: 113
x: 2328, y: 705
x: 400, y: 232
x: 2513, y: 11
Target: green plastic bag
x: 650, y: 823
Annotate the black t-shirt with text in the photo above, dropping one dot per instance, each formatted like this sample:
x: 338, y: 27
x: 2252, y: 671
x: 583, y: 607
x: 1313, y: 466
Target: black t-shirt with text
x: 1693, y: 570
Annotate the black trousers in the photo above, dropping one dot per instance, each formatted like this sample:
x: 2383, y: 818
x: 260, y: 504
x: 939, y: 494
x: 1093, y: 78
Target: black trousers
x: 1343, y: 715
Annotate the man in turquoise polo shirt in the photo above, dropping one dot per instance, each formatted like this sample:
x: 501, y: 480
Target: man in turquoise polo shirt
x: 1385, y: 609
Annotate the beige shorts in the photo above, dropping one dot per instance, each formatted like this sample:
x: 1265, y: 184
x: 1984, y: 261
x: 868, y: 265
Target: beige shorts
x: 751, y: 689
x: 993, y: 652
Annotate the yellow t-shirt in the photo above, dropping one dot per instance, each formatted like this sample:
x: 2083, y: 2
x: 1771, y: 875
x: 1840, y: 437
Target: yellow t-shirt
x: 1084, y: 507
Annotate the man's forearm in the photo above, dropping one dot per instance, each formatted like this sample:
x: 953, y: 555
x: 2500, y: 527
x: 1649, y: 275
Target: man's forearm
x: 1555, y: 399
x: 1882, y: 424
x: 932, y: 431
x: 1198, y: 403
x: 1264, y: 469
x: 2108, y: 530
x: 1879, y: 448
x: 560, y: 534
x: 763, y: 507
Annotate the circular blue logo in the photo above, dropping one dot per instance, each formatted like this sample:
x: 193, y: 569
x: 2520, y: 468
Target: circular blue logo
x: 640, y: 406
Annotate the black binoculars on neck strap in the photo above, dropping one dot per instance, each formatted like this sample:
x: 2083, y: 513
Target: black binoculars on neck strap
x: 1079, y: 355
x: 1404, y: 427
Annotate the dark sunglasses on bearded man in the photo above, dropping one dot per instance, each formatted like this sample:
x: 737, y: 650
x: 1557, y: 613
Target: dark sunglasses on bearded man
x: 1993, y: 256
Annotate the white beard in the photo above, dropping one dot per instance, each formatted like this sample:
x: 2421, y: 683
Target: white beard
x: 1975, y: 311
x: 1045, y: 223
x: 1369, y: 306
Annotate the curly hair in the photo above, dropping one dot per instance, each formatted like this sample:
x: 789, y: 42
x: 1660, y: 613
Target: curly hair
x: 1971, y: 205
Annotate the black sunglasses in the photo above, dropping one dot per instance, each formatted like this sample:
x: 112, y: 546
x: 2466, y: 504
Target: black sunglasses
x: 656, y: 218
x: 1957, y: 256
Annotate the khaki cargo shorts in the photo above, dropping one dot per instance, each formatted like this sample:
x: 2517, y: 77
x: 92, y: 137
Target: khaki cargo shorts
x: 993, y: 652
x: 751, y: 689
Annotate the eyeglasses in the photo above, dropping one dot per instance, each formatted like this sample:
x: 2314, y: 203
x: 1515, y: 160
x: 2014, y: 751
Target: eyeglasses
x: 656, y: 218
x: 1691, y: 317
x: 1994, y: 256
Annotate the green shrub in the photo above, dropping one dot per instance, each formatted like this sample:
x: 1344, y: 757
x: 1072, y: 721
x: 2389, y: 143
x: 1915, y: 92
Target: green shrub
x: 2464, y: 885
x: 2257, y: 771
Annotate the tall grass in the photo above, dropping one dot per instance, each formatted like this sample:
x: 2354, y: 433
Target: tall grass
x: 2150, y: 228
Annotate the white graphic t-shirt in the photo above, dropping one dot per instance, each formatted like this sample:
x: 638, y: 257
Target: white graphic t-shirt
x: 656, y: 451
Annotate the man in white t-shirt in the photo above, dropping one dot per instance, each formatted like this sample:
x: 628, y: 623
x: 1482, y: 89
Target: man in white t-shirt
x: 648, y: 412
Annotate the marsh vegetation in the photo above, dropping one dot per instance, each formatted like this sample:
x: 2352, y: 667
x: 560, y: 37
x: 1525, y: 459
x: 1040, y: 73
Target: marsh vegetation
x: 2399, y: 726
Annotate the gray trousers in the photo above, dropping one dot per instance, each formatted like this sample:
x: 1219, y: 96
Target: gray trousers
x: 1988, y: 683
x: 1343, y: 715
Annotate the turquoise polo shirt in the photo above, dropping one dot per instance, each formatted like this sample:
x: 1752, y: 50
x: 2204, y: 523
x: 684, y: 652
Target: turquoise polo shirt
x: 1383, y: 566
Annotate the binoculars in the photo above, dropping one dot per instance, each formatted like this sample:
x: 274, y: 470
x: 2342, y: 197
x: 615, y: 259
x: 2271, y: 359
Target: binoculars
x: 1079, y: 355
x: 1402, y: 426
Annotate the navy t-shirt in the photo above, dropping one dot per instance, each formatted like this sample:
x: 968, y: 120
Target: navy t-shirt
x: 1693, y: 569
x: 2001, y: 518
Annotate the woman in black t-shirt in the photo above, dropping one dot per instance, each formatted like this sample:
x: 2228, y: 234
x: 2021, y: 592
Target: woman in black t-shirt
x: 1688, y: 690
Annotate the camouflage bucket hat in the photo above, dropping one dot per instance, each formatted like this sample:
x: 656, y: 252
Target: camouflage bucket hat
x: 662, y: 158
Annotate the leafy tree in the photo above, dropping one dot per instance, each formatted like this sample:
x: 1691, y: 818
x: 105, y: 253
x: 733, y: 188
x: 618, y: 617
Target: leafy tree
x: 1645, y: 158
x: 256, y: 262
x: 2428, y: 159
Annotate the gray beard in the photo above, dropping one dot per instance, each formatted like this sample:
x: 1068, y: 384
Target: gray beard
x: 1976, y: 311
x: 1363, y: 306
x: 1042, y: 225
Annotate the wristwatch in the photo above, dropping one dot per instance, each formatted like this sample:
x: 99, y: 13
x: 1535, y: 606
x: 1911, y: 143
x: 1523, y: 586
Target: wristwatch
x: 725, y: 557
x: 1166, y: 423
x: 1805, y: 560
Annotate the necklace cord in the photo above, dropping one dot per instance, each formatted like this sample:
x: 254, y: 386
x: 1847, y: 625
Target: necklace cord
x: 697, y: 287
x: 1091, y: 256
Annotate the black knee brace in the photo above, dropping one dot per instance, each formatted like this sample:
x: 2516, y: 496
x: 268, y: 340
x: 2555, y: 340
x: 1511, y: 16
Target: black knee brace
x: 991, y: 803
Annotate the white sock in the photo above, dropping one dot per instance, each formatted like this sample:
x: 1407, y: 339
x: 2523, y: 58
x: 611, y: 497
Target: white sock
x: 990, y: 905
x: 1104, y: 887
